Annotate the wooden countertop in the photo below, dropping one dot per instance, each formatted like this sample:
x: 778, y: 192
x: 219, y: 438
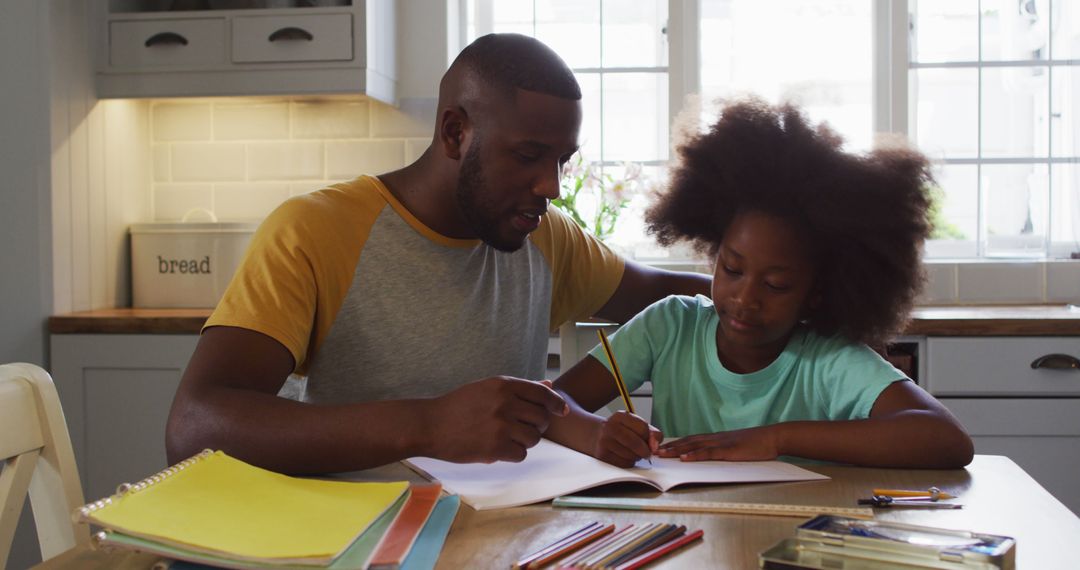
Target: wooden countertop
x: 130, y: 321
x: 1003, y: 320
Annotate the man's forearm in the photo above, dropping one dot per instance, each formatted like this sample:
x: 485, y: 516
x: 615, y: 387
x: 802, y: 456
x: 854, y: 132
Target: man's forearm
x: 294, y: 437
x: 914, y: 438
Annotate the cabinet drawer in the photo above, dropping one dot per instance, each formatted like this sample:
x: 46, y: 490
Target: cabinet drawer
x: 147, y: 44
x: 1000, y: 366
x: 322, y: 37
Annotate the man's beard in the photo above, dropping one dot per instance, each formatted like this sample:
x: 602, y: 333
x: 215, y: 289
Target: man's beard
x: 479, y: 214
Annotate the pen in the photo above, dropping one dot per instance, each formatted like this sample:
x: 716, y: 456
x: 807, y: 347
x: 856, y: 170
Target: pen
x: 933, y: 492
x: 618, y: 377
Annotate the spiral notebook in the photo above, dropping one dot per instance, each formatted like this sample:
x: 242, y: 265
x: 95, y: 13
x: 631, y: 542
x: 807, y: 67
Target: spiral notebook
x: 220, y: 506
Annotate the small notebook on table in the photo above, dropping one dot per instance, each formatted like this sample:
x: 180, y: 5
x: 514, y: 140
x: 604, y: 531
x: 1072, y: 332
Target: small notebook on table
x: 550, y: 470
x: 214, y: 506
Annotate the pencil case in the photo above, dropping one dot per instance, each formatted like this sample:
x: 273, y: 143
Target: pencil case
x: 841, y: 543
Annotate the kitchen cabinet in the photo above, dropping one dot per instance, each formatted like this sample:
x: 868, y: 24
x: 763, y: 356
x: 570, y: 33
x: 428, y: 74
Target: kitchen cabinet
x: 345, y: 49
x: 116, y: 390
x: 1031, y: 414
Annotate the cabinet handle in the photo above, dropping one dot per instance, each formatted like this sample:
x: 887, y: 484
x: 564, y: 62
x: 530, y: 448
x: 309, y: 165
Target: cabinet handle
x: 291, y: 33
x: 1056, y: 362
x: 166, y: 39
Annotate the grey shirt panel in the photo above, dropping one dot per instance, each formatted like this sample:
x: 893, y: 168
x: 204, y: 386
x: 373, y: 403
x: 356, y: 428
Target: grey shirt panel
x: 422, y: 318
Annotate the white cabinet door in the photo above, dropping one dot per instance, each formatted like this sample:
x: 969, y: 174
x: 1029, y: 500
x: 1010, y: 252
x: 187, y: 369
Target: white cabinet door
x: 1042, y: 435
x: 116, y: 390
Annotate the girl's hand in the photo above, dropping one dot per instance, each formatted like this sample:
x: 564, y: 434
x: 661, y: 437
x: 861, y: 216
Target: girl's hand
x: 624, y: 438
x: 753, y: 444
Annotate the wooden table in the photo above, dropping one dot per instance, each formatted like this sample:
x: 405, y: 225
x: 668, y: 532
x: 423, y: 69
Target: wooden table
x: 998, y: 498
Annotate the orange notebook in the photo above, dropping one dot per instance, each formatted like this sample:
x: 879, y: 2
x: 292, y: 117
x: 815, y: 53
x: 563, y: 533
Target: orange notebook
x: 399, y: 538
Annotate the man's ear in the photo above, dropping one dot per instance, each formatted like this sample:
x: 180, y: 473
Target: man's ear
x: 453, y: 125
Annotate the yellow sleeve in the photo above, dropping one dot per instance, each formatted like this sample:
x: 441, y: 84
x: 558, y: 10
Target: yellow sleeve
x: 300, y: 265
x: 585, y: 272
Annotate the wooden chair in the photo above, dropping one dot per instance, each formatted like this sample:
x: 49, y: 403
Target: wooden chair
x: 36, y: 452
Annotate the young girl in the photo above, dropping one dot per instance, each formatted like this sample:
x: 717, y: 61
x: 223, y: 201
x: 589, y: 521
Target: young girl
x: 817, y: 255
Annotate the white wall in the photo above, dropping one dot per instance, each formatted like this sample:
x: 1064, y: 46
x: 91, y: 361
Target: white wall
x: 25, y: 215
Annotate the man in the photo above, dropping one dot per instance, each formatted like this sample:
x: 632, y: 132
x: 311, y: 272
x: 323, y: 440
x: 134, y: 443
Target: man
x: 417, y: 303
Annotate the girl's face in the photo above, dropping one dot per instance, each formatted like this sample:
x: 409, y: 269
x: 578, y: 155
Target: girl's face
x: 762, y: 287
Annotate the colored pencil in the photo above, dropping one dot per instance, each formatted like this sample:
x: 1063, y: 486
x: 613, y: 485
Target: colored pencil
x: 660, y: 551
x: 671, y: 533
x: 594, y: 548
x: 632, y: 546
x: 603, y: 553
x: 580, y: 542
x: 524, y: 562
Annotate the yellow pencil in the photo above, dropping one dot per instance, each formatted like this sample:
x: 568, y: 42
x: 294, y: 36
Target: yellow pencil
x: 615, y: 372
x: 933, y: 492
x: 618, y: 377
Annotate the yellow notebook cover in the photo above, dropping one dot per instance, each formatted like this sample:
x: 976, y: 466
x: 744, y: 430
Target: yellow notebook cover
x: 219, y: 505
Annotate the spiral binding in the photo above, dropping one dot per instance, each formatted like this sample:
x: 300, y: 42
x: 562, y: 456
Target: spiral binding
x: 128, y: 488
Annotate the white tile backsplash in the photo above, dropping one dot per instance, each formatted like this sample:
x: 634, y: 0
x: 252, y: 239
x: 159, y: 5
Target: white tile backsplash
x: 181, y: 122
x: 344, y: 159
x: 283, y: 146
x: 173, y: 201
x: 994, y: 282
x: 260, y: 121
x: 162, y: 161
x: 285, y: 161
x: 248, y: 201
x: 414, y: 118
x: 330, y: 120
x: 208, y: 162
x: 1063, y: 282
x: 940, y: 286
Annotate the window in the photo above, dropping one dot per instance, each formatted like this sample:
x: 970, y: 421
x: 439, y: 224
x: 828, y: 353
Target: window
x: 992, y: 90
x: 619, y: 52
x: 984, y: 87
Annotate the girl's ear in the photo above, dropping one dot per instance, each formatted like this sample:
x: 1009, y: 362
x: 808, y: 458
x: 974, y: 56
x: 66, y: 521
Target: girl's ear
x: 453, y: 124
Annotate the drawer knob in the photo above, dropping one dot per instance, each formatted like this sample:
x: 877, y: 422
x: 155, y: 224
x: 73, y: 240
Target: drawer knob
x: 166, y: 39
x: 291, y: 33
x: 1056, y: 362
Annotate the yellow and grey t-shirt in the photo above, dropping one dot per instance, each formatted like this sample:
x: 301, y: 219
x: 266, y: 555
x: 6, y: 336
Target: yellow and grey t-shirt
x: 375, y: 305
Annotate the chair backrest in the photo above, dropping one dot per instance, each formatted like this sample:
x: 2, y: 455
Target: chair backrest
x: 36, y: 456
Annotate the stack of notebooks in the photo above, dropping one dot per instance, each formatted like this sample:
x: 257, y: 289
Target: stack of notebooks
x: 217, y: 511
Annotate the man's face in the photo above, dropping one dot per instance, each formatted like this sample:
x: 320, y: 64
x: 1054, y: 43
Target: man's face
x: 513, y: 165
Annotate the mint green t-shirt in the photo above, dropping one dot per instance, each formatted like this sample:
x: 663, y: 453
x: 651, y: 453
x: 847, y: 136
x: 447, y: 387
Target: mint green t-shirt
x: 673, y: 343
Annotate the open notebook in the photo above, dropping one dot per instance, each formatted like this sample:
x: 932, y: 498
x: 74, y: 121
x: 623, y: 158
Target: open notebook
x: 551, y: 470
x: 215, y: 505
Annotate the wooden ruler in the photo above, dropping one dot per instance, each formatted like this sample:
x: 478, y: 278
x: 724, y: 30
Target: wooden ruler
x: 775, y: 510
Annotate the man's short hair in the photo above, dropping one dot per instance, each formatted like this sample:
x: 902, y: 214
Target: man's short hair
x: 515, y: 61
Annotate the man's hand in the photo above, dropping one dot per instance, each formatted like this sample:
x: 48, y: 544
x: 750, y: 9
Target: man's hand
x: 494, y: 419
x: 753, y: 444
x: 625, y: 438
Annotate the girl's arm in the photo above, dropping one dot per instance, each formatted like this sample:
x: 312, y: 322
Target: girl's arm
x: 907, y: 428
x: 621, y: 439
